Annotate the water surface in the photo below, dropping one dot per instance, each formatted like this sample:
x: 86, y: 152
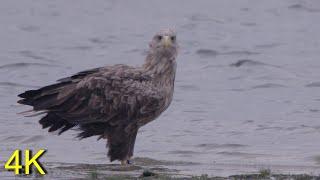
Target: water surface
x: 247, y: 87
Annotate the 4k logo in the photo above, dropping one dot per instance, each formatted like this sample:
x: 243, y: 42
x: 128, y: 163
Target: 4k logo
x: 14, y: 163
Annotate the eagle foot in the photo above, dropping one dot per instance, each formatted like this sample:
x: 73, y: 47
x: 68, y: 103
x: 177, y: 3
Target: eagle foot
x: 126, y: 162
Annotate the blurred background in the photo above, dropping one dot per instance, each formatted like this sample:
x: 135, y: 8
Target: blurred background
x: 247, y: 85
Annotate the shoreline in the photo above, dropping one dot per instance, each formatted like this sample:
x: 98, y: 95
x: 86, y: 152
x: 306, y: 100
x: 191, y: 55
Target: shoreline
x: 141, y: 170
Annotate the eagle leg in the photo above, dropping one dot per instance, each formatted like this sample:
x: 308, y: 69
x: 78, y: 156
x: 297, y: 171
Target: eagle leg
x: 125, y: 162
x: 120, y: 144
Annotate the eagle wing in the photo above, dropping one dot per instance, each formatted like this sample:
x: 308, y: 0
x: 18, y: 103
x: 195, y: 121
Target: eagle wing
x: 112, y: 95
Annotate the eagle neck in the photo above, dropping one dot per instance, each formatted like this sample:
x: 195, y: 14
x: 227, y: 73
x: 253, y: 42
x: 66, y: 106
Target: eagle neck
x: 161, y: 68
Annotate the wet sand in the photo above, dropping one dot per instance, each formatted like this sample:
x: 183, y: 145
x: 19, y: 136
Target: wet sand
x: 144, y: 169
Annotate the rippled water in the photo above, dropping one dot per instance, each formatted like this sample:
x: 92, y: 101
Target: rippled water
x: 247, y: 87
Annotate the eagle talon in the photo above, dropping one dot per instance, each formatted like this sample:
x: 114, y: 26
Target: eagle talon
x: 126, y: 162
x: 130, y: 162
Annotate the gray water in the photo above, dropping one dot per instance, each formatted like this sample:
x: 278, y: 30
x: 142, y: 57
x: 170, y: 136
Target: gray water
x: 247, y: 86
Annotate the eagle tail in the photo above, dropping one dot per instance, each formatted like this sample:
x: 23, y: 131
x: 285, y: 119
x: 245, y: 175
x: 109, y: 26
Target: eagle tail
x: 45, y: 100
x: 55, y: 122
x: 94, y: 129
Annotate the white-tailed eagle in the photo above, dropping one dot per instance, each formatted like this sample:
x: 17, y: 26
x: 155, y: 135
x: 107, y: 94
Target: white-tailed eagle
x: 111, y: 102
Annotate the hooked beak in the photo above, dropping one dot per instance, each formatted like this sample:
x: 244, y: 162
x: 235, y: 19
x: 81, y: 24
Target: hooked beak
x: 166, y: 41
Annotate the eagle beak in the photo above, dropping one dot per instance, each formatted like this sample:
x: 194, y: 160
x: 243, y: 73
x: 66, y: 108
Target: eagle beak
x: 167, y: 41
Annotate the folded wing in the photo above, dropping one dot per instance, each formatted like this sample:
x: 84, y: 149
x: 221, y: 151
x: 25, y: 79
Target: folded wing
x: 94, y: 100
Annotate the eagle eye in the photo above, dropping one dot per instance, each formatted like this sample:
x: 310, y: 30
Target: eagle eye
x: 173, y: 38
x: 159, y: 38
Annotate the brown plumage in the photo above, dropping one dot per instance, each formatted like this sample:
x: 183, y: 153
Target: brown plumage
x: 111, y: 102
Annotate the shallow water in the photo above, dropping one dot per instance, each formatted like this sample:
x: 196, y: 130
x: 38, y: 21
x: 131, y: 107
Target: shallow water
x: 247, y: 87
